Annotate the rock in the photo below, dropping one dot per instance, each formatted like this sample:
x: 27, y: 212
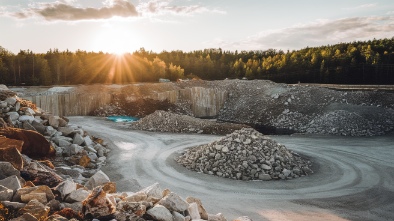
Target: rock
x: 177, y: 216
x: 25, y: 217
x: 11, y: 101
x: 76, y: 206
x: 6, y: 170
x: 243, y: 218
x: 39, y: 127
x: 131, y: 207
x: 78, y: 139
x: 26, y: 118
x: 88, y: 141
x: 56, y: 217
x: 174, y: 203
x: 153, y: 191
x: 98, y: 205
x: 5, y: 193
x: 84, y: 161
x: 75, y: 149
x: 13, y: 205
x: 40, y: 197
x: 217, y: 217
x: 78, y: 195
x: 34, y: 144
x: 109, y: 187
x: 265, y: 177
x: 66, y: 131
x: 99, y: 178
x: 193, y: 211
x: 160, y: 213
x: 65, y: 188
x: 72, y: 215
x: 136, y: 197
x: 33, y: 192
x: 13, y: 116
x: 37, y: 209
x: 201, y: 209
x: 11, y: 155
x: 29, y: 111
x: 11, y: 182
x: 54, y: 121
x: 63, y: 143
x: 27, y: 126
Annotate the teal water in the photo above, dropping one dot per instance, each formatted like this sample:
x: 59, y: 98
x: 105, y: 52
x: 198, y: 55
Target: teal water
x: 122, y: 118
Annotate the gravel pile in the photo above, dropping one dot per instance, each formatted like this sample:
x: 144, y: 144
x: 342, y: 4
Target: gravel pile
x: 246, y: 154
x: 162, y: 121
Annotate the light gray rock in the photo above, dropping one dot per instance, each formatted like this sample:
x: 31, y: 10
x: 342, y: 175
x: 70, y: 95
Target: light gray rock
x: 6, y: 170
x: 243, y: 218
x: 13, y: 115
x: 29, y: 111
x: 78, y: 139
x: 178, y: 217
x: 63, y: 143
x: 28, y: 118
x: 153, y: 191
x: 173, y: 202
x: 10, y: 101
x: 99, y: 178
x: 161, y: 213
x: 75, y: 149
x: 11, y: 182
x: 88, y: 141
x: 65, y: 130
x: 5, y: 193
x: 201, y: 209
x: 54, y: 121
x: 217, y: 217
x: 90, y: 149
x: 77, y: 196
x: 265, y: 177
x: 193, y: 211
x: 66, y: 187
x: 3, y: 104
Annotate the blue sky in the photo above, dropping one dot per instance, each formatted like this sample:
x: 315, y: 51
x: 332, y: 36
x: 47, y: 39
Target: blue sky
x: 127, y: 25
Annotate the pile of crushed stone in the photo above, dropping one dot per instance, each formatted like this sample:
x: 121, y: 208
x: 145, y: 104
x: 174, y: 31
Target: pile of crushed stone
x: 163, y: 121
x: 246, y: 154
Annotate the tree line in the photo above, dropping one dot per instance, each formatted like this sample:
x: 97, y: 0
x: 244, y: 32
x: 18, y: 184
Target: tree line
x: 359, y: 62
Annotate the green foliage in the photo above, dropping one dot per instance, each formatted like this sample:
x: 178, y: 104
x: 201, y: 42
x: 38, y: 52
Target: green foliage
x: 361, y: 62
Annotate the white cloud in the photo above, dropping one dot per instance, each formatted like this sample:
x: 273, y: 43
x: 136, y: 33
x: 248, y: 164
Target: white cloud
x: 318, y: 33
x: 364, y: 6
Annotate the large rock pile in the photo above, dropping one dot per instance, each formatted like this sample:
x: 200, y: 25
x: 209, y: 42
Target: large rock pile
x: 246, y: 154
x: 163, y: 121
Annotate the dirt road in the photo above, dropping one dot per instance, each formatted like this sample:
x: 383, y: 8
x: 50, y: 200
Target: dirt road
x: 353, y: 177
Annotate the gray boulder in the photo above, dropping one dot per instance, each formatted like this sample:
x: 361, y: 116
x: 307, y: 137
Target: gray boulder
x: 6, y: 170
x: 99, y: 178
x: 11, y: 182
x: 5, y: 193
x: 174, y: 203
x: 161, y: 213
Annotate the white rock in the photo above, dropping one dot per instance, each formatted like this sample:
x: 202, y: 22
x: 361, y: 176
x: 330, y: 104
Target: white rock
x: 5, y: 193
x: 13, y: 116
x: 78, y: 139
x: 153, y: 191
x: 177, y: 216
x: 66, y: 130
x: 54, y: 121
x: 160, y: 213
x: 11, y: 101
x: 193, y: 211
x: 217, y: 217
x: 173, y: 202
x: 26, y: 118
x: 66, y: 187
x: 78, y: 195
x: 97, y: 179
x: 88, y: 141
x: 29, y: 111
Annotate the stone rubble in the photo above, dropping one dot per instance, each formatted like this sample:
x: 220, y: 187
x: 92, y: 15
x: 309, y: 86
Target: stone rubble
x: 71, y: 186
x: 162, y: 121
x: 246, y: 154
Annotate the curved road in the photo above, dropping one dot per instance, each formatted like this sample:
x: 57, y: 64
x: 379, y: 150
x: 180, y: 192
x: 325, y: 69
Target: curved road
x: 353, y: 179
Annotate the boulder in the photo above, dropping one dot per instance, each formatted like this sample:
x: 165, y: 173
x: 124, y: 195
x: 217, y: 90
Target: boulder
x: 13, y: 156
x: 99, y: 178
x: 33, y: 192
x: 11, y: 182
x: 35, y: 208
x: 201, y: 209
x: 27, y: 126
x: 54, y: 121
x: 174, y: 203
x: 153, y: 191
x: 193, y: 211
x: 88, y: 141
x: 34, y: 144
x: 178, y: 217
x: 5, y: 193
x: 40, y: 197
x: 6, y: 170
x: 98, y: 205
x: 159, y: 212
x: 13, y: 116
x: 65, y: 188
x: 39, y: 127
x: 78, y: 139
x: 78, y: 195
x: 27, y: 118
x: 56, y: 217
x: 11, y: 100
x: 13, y: 205
x: 136, y: 197
x: 131, y: 207
x: 25, y: 217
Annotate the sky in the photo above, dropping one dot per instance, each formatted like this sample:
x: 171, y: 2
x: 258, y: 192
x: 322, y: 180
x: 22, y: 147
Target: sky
x: 118, y: 26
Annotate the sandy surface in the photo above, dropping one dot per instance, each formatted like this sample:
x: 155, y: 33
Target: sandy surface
x: 353, y: 177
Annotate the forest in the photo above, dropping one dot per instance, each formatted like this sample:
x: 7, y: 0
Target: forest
x: 358, y: 62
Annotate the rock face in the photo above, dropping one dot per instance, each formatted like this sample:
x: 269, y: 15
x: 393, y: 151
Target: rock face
x: 246, y: 155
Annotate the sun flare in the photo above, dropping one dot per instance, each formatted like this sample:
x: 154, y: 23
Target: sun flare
x: 116, y: 41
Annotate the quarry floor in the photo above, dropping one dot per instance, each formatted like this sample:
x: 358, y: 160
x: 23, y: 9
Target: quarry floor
x: 353, y: 177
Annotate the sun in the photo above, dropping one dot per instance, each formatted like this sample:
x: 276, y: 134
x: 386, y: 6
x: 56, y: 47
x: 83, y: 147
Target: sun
x: 116, y: 41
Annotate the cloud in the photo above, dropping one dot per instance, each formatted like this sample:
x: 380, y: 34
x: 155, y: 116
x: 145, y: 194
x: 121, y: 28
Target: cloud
x: 68, y: 12
x: 159, y: 7
x: 364, y: 6
x: 318, y: 33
